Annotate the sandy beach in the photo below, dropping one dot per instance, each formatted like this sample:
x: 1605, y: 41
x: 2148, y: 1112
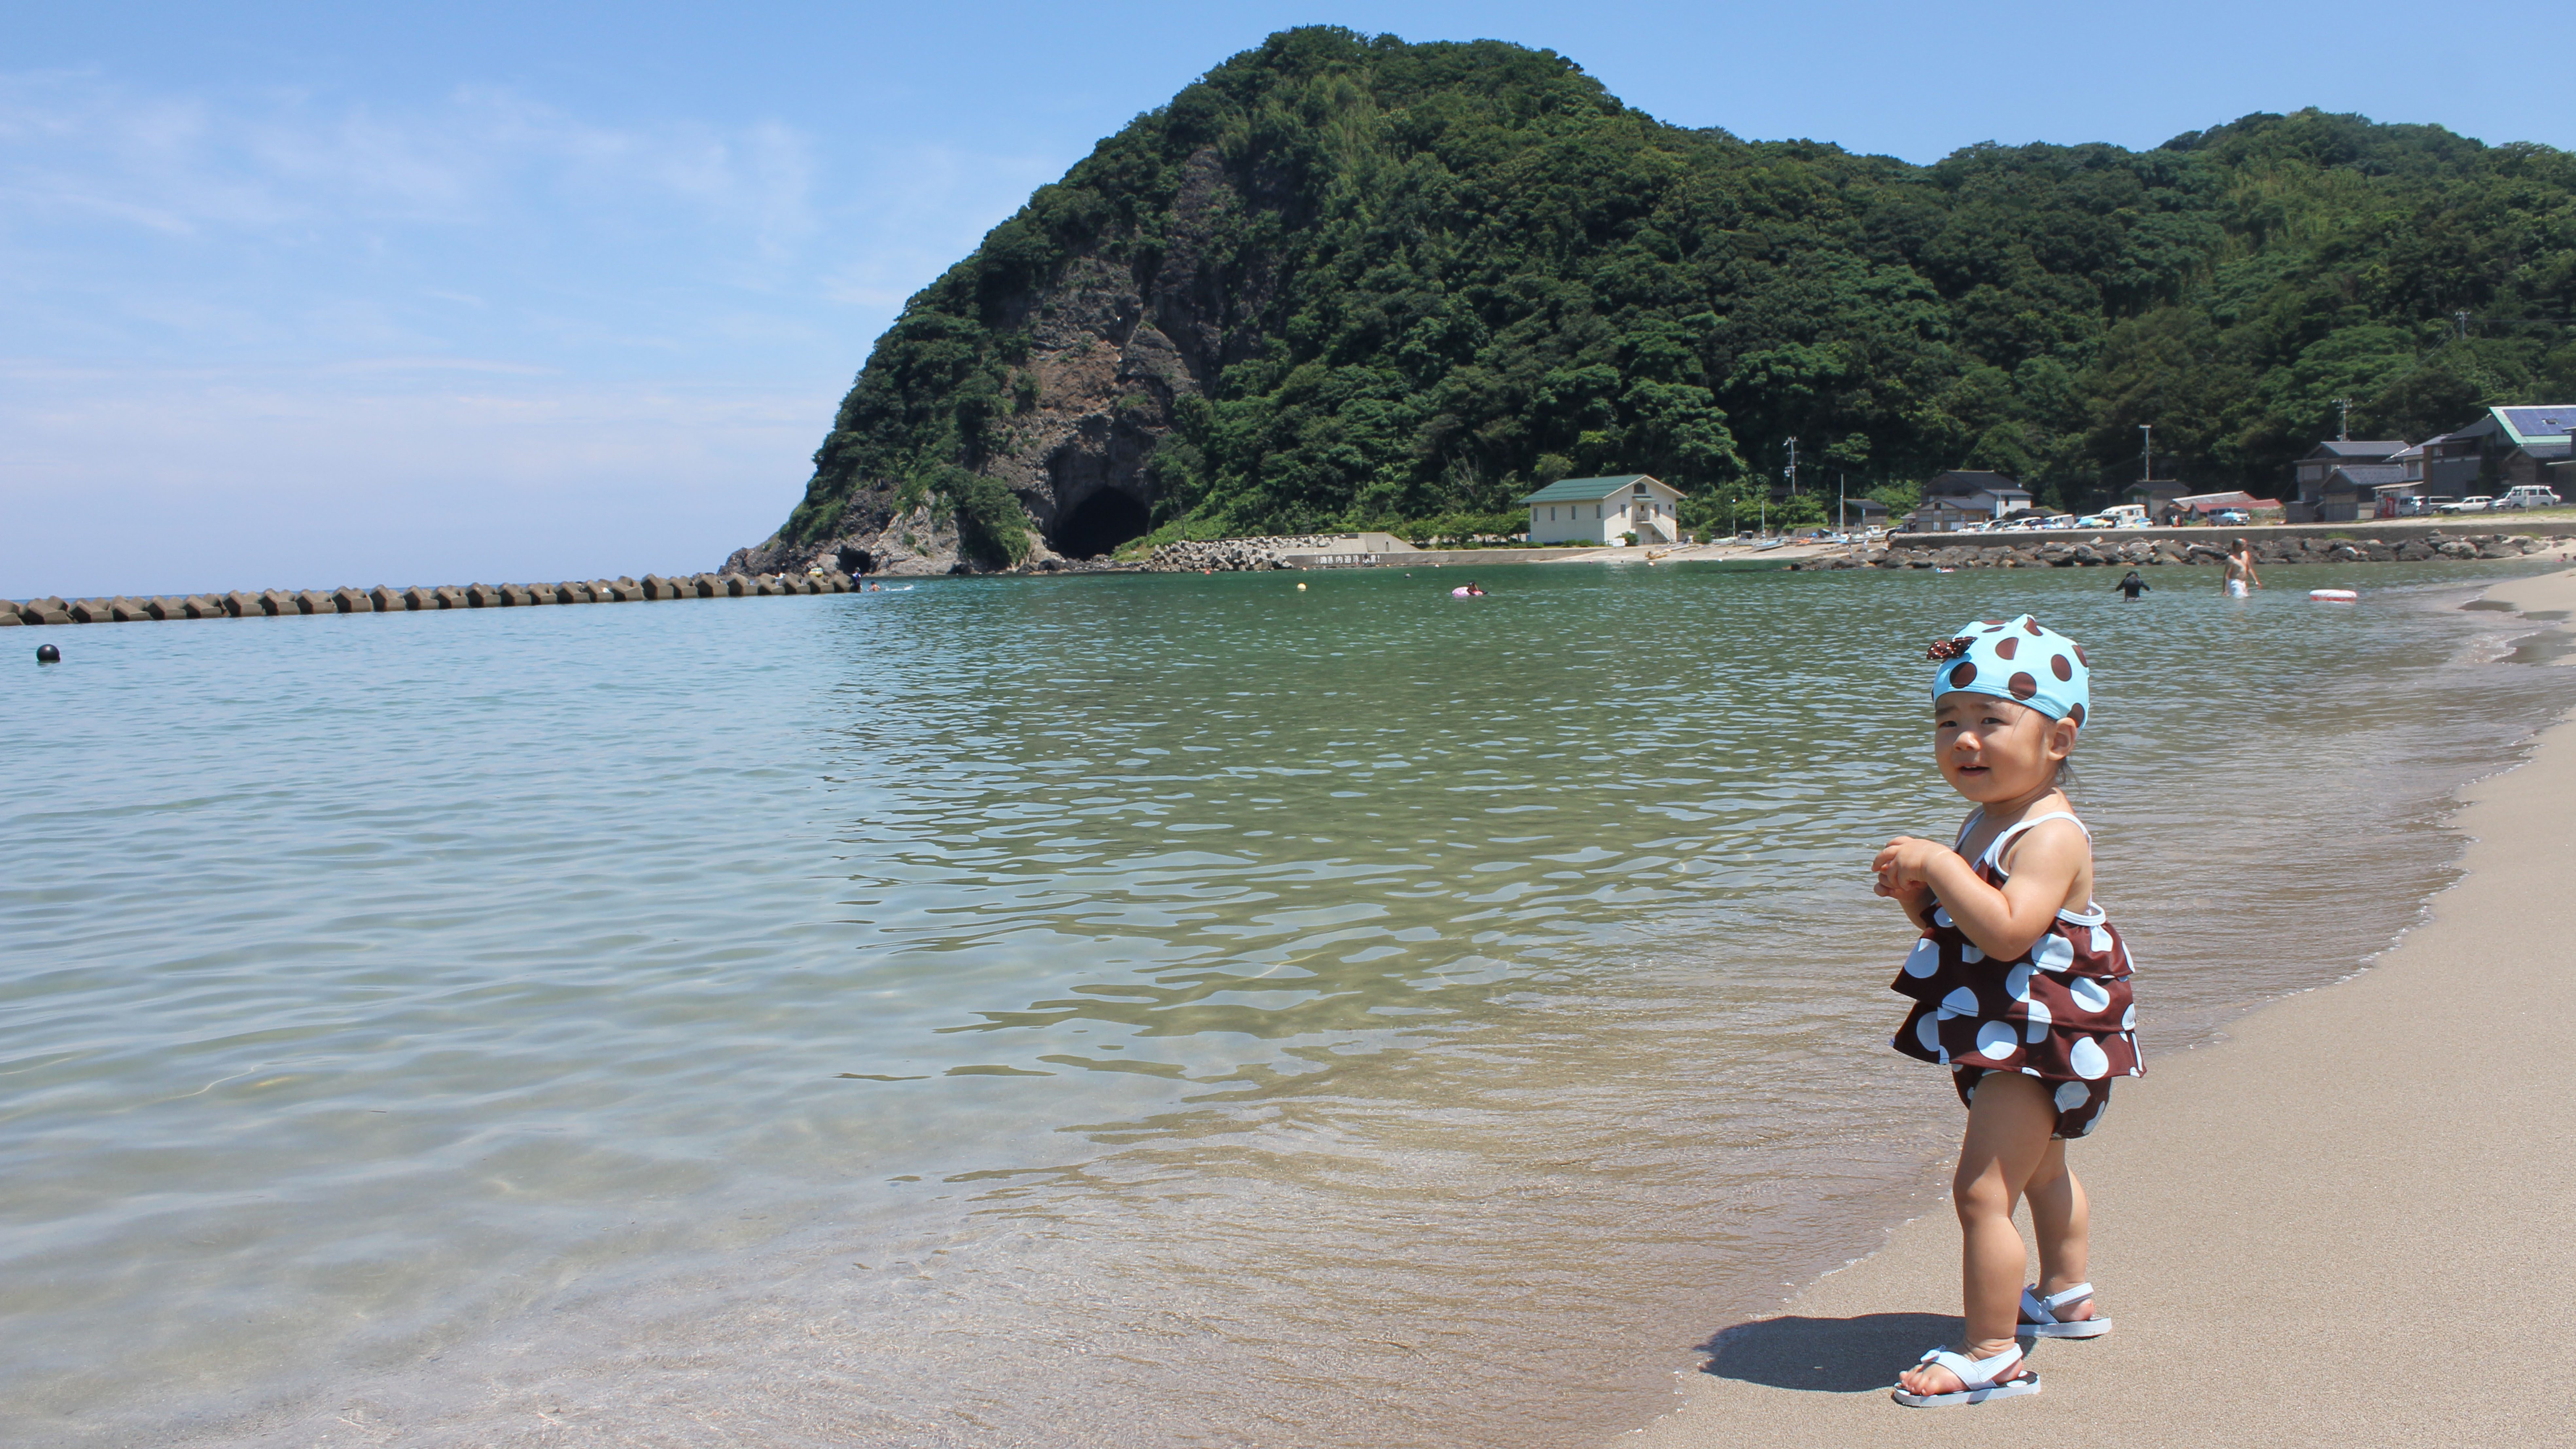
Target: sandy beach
x: 2348, y: 1223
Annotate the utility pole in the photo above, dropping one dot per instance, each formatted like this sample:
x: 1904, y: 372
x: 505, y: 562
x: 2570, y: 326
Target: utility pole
x: 2343, y: 420
x: 2461, y: 318
x: 2147, y: 453
x: 1792, y: 470
x: 1842, y: 495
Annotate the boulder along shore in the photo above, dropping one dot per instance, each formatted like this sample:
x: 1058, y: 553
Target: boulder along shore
x: 280, y: 604
x: 2101, y: 551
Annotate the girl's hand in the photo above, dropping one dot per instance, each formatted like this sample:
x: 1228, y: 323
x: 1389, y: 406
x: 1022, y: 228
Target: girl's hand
x: 1904, y: 865
x: 2002, y: 923
x: 1906, y: 886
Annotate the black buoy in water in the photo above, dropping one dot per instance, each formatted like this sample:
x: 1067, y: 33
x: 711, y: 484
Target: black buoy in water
x: 48, y: 654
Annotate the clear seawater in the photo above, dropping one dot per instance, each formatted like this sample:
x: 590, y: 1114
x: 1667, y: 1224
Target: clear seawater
x: 1151, y: 1010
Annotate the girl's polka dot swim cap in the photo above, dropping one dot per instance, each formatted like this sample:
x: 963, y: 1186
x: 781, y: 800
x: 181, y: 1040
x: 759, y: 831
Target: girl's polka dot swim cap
x: 2017, y: 659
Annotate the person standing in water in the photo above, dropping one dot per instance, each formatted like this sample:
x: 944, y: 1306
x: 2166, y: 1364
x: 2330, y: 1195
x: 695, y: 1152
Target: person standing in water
x: 2132, y: 586
x: 2019, y: 986
x: 2241, y: 577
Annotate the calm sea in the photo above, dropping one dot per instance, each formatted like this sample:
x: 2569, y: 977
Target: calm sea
x: 1156, y: 1010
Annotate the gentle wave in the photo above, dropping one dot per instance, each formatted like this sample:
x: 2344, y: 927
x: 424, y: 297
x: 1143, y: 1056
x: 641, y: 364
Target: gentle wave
x: 1175, y: 1008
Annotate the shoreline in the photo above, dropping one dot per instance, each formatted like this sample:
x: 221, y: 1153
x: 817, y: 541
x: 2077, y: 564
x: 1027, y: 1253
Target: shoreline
x: 2307, y: 1231
x: 1902, y: 552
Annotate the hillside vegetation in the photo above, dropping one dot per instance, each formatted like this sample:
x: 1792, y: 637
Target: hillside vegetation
x: 1344, y: 281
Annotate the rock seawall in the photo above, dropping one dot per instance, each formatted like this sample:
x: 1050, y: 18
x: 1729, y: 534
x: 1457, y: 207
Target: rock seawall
x: 2100, y: 551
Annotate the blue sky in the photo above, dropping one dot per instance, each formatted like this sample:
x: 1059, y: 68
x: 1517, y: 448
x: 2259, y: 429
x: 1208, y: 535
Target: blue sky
x: 304, y: 295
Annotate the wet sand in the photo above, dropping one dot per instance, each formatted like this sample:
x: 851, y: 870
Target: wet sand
x: 2349, y: 1223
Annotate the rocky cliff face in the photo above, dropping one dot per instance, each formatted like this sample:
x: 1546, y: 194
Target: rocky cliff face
x: 1114, y: 343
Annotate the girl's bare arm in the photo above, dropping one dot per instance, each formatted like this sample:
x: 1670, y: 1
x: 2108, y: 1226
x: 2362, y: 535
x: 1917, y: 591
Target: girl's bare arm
x: 2003, y: 923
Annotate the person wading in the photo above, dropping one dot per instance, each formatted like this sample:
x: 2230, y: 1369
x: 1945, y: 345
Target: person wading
x: 2241, y: 578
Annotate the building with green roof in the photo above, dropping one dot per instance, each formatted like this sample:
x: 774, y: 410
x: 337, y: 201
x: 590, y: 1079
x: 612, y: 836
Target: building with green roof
x: 2509, y: 447
x: 1605, y: 510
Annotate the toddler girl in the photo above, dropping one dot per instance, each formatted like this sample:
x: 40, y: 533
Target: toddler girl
x: 2020, y: 988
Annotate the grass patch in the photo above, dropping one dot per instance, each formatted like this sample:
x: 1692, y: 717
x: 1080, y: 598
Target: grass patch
x: 1179, y: 530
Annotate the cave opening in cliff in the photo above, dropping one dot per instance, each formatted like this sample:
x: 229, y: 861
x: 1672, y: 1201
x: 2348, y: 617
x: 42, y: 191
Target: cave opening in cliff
x: 1100, y: 523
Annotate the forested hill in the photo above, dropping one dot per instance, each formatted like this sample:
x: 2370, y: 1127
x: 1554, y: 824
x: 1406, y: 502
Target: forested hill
x: 1351, y: 281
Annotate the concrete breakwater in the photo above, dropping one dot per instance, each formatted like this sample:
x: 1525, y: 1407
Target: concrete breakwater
x: 280, y: 604
x: 1233, y: 555
x: 2101, y: 551
x: 1332, y: 550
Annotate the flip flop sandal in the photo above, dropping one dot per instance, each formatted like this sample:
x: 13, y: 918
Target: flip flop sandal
x: 2039, y: 1315
x: 2000, y: 1377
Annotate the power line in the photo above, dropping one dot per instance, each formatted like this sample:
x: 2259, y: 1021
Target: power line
x: 2461, y: 321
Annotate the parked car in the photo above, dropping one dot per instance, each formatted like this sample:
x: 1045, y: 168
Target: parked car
x: 2474, y: 503
x: 2229, y: 518
x: 2529, y: 495
x: 2401, y: 505
x: 2058, y: 520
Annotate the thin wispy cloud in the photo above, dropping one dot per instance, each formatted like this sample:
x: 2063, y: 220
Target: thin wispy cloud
x: 265, y: 297
x: 295, y: 166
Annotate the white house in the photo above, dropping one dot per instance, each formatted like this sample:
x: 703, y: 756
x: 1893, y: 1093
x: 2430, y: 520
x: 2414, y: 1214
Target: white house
x: 1603, y: 510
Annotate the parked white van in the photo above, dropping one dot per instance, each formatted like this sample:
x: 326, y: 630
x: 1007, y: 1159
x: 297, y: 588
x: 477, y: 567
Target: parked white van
x: 2529, y: 495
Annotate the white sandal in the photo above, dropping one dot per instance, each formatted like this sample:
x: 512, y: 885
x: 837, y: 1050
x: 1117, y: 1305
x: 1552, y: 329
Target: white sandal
x: 2000, y: 1377
x: 2039, y: 1315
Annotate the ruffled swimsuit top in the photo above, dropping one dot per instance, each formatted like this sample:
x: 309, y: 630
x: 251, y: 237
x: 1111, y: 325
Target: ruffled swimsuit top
x: 2060, y: 1011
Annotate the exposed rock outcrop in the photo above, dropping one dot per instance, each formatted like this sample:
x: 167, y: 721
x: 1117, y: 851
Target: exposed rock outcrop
x: 1113, y: 348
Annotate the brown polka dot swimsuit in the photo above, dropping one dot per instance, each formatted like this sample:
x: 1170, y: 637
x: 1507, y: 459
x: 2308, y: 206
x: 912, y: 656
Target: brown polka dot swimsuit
x: 2060, y: 1011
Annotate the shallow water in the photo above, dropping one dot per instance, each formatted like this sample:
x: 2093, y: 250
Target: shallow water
x: 1169, y: 1010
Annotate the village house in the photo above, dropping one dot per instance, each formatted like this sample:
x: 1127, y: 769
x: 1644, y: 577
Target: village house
x: 2157, y: 494
x: 1956, y: 498
x: 1605, y: 510
x: 1849, y: 512
x: 2353, y: 490
x: 2509, y: 447
x: 2333, y: 481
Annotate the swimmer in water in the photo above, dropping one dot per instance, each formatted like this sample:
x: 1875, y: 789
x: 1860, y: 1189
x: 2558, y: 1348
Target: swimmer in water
x: 1474, y: 592
x: 2132, y: 586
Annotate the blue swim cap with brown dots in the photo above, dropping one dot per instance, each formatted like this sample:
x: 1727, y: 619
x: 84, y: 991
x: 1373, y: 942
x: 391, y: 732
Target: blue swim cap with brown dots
x: 2021, y: 660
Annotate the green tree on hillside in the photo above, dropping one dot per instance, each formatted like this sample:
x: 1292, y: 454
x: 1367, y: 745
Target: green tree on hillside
x: 1451, y: 272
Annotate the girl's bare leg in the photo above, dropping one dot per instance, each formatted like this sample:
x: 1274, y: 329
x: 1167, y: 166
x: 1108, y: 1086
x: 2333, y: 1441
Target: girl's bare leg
x: 2062, y: 1222
x: 2008, y: 1127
